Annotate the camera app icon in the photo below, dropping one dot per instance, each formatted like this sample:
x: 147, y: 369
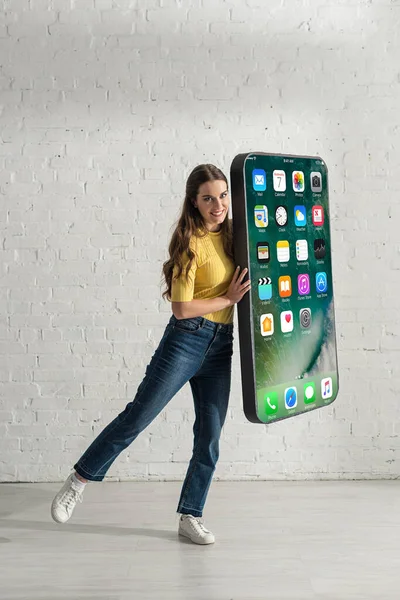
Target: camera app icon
x: 316, y: 182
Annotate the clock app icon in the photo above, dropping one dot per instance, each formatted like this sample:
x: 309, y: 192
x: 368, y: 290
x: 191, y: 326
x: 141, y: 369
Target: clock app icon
x: 281, y: 216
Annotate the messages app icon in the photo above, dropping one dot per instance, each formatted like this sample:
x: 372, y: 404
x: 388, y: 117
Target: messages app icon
x: 259, y: 180
x: 309, y: 392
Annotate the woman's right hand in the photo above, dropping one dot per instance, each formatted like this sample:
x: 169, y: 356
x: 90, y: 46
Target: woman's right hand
x: 237, y: 289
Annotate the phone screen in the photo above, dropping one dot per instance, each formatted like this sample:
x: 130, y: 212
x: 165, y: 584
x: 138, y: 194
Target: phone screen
x: 286, y: 325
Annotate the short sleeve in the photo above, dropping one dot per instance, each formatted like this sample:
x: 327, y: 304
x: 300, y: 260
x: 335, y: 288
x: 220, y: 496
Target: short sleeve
x: 182, y: 288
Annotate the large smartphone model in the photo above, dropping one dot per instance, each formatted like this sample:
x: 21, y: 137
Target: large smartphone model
x: 281, y: 229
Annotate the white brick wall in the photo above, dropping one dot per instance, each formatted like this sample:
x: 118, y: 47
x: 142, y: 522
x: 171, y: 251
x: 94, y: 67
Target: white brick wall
x: 106, y: 105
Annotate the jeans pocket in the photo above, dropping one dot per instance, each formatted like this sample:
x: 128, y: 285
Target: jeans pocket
x: 189, y: 325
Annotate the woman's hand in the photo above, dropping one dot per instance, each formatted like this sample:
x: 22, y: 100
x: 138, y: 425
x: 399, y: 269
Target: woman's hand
x: 237, y: 289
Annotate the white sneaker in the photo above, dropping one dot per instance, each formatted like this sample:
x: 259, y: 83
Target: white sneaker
x: 64, y: 503
x: 193, y: 528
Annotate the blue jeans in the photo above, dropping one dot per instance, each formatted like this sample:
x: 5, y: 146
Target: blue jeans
x: 197, y: 351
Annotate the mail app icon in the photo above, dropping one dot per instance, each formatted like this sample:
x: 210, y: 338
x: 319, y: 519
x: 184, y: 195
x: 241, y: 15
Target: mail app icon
x: 259, y: 180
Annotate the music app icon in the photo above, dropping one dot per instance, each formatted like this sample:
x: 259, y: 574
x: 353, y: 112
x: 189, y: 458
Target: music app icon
x: 303, y: 284
x: 326, y: 388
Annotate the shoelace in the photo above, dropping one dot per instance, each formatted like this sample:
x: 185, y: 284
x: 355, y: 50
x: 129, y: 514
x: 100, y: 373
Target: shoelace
x: 204, y: 529
x: 199, y: 523
x: 71, y: 497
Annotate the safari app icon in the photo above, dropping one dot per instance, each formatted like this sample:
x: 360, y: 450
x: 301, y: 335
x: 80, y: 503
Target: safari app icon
x: 291, y: 397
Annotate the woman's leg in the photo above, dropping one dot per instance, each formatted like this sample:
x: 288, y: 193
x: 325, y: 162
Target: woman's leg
x: 211, y: 389
x: 178, y: 357
x: 175, y: 361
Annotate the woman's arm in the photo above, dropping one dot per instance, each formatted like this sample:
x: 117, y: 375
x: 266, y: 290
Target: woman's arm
x: 199, y: 308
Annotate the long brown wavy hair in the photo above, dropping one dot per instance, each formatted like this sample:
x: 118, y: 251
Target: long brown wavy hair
x: 191, y: 223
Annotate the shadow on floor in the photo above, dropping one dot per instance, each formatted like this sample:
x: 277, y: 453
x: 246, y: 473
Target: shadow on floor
x: 56, y: 596
x: 89, y: 529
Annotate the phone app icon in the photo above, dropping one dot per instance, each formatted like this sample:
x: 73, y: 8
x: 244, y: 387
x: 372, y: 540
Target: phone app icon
x: 316, y: 181
x: 326, y: 388
x: 318, y: 215
x: 263, y: 255
x: 291, y: 397
x: 285, y: 286
x: 300, y: 218
x: 281, y: 216
x: 279, y: 180
x: 261, y: 216
x: 286, y: 321
x: 319, y: 249
x: 265, y: 288
x: 298, y: 181
x: 303, y: 284
x: 301, y: 250
x: 259, y: 180
x: 309, y: 392
x: 283, y: 251
x: 321, y: 282
x: 271, y: 403
x: 267, y: 324
x: 305, y: 318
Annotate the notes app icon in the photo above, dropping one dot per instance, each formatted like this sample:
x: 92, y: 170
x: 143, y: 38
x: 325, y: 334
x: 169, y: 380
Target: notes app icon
x: 282, y: 251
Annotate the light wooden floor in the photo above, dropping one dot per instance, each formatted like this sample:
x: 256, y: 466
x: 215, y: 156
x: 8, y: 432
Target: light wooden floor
x: 275, y: 540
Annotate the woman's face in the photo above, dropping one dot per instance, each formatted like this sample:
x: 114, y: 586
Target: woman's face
x: 212, y: 201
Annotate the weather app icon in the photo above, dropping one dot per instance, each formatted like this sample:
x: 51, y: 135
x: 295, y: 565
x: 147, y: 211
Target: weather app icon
x: 300, y: 216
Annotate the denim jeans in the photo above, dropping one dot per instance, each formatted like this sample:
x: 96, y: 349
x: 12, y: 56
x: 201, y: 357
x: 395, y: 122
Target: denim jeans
x: 194, y: 350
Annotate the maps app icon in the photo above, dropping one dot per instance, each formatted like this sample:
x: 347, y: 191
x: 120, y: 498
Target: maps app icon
x: 261, y: 216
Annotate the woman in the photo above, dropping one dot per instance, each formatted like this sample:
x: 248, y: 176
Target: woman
x: 196, y: 347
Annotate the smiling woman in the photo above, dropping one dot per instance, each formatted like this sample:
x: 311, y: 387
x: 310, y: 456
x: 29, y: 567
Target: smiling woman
x: 200, y: 267
x: 196, y: 347
x: 213, y: 202
x: 204, y: 212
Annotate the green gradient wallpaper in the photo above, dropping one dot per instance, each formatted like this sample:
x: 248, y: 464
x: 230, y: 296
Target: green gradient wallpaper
x: 291, y: 296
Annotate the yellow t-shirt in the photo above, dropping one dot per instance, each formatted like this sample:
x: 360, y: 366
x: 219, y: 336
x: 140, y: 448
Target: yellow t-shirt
x: 209, y: 277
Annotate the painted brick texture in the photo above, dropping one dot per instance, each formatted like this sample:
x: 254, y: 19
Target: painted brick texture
x: 105, y: 107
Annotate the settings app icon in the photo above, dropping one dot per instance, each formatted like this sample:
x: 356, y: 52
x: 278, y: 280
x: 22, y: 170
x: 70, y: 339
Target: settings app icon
x: 305, y: 318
